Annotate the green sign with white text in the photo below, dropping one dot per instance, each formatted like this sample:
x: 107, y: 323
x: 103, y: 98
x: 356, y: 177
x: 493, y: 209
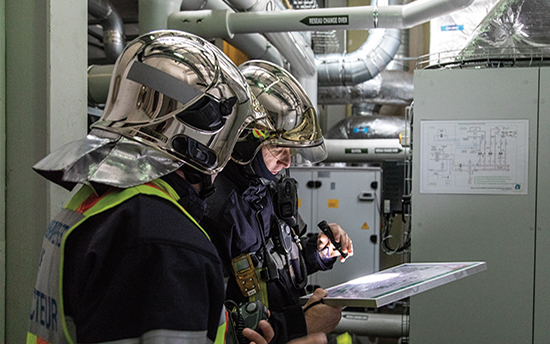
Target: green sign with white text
x: 387, y: 150
x: 357, y: 151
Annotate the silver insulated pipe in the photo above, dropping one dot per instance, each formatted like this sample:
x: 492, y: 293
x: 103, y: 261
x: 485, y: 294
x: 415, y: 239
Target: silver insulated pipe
x: 113, y: 28
x: 366, y: 62
x: 387, y: 88
x: 254, y: 45
x: 366, y: 139
x: 223, y: 23
x: 361, y: 65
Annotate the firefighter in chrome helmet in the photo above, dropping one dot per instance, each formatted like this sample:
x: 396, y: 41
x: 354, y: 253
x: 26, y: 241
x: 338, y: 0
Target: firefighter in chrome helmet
x: 125, y: 260
x: 243, y: 217
x: 289, y: 108
x: 174, y: 99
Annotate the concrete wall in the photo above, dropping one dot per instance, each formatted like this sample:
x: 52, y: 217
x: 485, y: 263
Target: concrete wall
x: 45, y: 107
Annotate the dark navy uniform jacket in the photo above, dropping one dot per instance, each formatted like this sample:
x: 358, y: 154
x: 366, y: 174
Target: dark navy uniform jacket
x: 239, y: 219
x: 141, y: 266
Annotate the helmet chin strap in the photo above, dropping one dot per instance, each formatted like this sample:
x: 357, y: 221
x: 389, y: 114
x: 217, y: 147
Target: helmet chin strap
x: 195, y: 177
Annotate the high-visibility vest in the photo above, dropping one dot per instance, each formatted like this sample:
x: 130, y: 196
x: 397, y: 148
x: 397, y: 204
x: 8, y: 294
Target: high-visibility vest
x: 48, y: 323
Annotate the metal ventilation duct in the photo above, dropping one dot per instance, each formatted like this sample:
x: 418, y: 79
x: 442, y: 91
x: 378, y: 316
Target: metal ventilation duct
x: 361, y: 65
x: 368, y: 127
x: 366, y: 62
x: 387, y: 88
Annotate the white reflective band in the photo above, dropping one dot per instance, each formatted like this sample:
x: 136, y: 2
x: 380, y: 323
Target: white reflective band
x: 167, y: 337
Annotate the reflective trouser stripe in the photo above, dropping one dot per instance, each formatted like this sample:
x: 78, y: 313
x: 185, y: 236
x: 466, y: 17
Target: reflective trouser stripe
x: 344, y: 338
x: 33, y: 339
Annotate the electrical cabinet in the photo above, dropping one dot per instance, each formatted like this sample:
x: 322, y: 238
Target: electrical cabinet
x: 510, y: 301
x: 349, y: 197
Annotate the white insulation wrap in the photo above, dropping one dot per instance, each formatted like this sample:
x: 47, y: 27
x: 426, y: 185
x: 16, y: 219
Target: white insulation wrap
x: 513, y: 27
x: 450, y: 32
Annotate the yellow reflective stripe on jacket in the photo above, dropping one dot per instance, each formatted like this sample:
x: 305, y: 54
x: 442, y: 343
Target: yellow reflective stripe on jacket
x: 116, y: 197
x: 344, y: 338
x: 81, y: 195
x: 33, y: 339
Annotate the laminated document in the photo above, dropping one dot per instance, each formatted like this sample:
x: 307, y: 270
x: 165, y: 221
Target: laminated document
x: 394, y: 284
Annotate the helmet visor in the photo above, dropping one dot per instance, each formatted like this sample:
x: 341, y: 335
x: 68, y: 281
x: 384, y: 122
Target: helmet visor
x: 311, y: 154
x: 306, y: 133
x: 305, y: 139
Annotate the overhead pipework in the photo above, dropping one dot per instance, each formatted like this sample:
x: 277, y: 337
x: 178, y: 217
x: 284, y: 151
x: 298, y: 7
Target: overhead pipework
x: 366, y: 62
x: 254, y: 45
x: 162, y: 14
x: 224, y: 24
x: 362, y: 151
x: 291, y: 45
x: 113, y: 27
x: 387, y: 88
x: 363, y: 64
x: 334, y: 70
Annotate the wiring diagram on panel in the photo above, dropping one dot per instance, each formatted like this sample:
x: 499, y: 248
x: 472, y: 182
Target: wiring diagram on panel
x: 474, y: 156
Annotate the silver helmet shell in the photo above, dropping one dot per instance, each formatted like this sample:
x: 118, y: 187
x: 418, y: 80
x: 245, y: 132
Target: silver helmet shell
x: 174, y: 99
x: 180, y: 94
x: 289, y: 109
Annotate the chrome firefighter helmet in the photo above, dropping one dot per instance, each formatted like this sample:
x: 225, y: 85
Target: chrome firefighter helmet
x: 289, y: 109
x: 178, y: 93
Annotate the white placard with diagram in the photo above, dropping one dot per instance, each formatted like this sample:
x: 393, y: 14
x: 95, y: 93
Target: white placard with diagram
x: 474, y: 157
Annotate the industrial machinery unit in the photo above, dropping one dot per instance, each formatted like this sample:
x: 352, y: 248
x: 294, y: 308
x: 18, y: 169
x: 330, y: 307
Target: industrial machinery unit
x: 348, y: 196
x: 481, y: 186
x: 481, y: 191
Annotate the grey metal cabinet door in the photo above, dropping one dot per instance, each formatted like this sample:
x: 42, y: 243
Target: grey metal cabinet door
x: 344, y: 196
x: 495, y: 306
x: 542, y: 262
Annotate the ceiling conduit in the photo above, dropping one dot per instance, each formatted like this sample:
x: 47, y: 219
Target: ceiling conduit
x: 254, y: 45
x: 113, y: 28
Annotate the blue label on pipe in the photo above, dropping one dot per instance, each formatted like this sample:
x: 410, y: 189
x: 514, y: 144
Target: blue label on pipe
x: 452, y: 27
x: 361, y: 130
